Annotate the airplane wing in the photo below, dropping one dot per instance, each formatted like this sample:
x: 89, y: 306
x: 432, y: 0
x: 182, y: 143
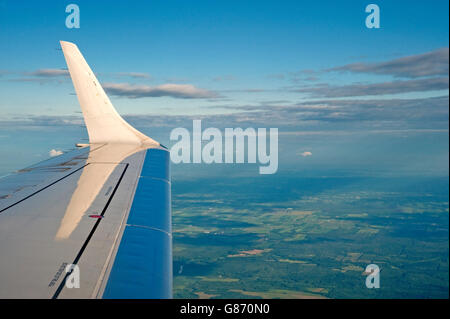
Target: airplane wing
x: 94, y: 222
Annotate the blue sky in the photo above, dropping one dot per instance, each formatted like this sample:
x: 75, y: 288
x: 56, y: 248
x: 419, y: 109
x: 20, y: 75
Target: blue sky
x: 226, y: 47
x: 298, y: 65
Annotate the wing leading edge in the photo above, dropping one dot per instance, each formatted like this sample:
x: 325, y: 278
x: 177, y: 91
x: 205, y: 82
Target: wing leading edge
x: 104, y: 208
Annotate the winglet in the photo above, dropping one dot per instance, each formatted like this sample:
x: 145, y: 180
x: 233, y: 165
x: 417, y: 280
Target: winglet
x: 103, y: 123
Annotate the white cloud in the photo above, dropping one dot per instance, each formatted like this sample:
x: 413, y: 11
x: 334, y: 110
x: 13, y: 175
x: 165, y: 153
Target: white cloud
x: 54, y: 152
x: 304, y: 154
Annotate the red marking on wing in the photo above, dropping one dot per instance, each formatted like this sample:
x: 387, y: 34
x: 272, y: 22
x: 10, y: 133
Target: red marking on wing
x: 96, y: 216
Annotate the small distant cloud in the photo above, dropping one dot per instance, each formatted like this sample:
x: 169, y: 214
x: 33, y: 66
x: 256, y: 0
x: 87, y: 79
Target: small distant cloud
x: 246, y: 90
x: 4, y: 72
x: 41, y: 76
x: 305, y: 154
x: 138, y: 75
x: 181, y: 91
x: 173, y: 79
x: 307, y: 75
x: 311, y: 78
x: 54, y: 153
x: 50, y: 72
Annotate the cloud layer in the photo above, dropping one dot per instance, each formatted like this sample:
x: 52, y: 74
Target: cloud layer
x: 324, y: 115
x: 393, y: 87
x: 181, y: 91
x: 434, y: 63
x: 50, y: 73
